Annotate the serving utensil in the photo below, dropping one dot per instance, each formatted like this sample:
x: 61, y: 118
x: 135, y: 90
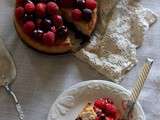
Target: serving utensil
x: 8, y: 75
x: 137, y: 88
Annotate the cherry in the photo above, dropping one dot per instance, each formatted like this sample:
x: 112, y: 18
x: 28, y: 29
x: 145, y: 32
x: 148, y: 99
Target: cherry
x: 46, y: 24
x: 62, y: 32
x: 80, y: 4
x: 87, y: 14
x: 38, y: 34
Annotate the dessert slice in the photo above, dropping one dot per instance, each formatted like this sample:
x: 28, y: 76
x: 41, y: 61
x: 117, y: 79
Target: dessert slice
x: 82, y: 13
x: 40, y: 25
x: 101, y: 109
x: 87, y: 113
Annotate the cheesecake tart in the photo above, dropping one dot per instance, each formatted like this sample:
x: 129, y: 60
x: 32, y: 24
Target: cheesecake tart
x: 41, y: 23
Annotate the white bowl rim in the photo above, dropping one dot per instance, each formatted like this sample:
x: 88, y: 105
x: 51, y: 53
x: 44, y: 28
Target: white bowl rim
x: 86, y: 82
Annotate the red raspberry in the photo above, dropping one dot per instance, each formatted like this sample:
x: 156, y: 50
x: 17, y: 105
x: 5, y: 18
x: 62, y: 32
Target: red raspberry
x: 53, y: 29
x: 109, y: 118
x: 91, y: 4
x: 49, y: 38
x: 29, y: 26
x: 100, y: 103
x: 19, y: 12
x: 52, y: 8
x: 58, y: 21
x: 76, y: 15
x: 30, y: 7
x: 110, y: 110
x: 41, y: 9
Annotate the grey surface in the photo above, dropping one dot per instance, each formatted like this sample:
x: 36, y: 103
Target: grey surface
x: 41, y: 78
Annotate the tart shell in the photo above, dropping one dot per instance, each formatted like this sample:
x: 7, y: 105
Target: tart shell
x: 63, y: 47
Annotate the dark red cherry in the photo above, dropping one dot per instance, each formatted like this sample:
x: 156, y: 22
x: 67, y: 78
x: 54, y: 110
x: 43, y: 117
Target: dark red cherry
x: 46, y: 24
x: 87, y: 14
x: 38, y: 34
x: 62, y: 32
x: 80, y: 4
x: 27, y: 17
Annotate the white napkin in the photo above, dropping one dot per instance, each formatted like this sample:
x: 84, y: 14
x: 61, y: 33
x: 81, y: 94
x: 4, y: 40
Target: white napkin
x: 120, y: 29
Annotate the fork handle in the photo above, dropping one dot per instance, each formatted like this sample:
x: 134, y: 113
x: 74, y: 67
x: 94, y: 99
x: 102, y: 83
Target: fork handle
x: 18, y: 106
x: 141, y: 80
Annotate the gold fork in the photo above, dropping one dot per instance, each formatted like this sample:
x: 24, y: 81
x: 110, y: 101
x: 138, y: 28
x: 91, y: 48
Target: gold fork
x: 137, y: 88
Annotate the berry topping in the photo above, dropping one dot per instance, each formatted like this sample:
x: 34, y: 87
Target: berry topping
x: 38, y: 1
x: 28, y: 17
x: 91, y: 4
x: 38, y: 34
x: 40, y: 9
x: 49, y: 38
x: 110, y: 110
x: 76, y: 15
x: 109, y: 118
x: 62, y: 32
x: 38, y: 22
x: 105, y: 109
x: 52, y: 8
x: 46, y: 24
x: 29, y: 26
x: 100, y: 103
x: 87, y: 14
x: 19, y: 12
x: 66, y: 3
x: 29, y: 7
x: 19, y: 1
x: 53, y: 29
x: 58, y: 20
x: 80, y: 4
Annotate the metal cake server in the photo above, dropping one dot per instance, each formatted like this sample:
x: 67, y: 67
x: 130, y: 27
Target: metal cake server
x: 137, y: 88
x: 8, y: 75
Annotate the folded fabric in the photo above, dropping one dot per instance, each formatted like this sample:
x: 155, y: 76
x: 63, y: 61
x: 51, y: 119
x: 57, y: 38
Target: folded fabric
x: 120, y: 30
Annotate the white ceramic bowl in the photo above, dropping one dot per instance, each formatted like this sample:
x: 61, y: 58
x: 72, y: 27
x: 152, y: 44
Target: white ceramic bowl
x: 68, y: 105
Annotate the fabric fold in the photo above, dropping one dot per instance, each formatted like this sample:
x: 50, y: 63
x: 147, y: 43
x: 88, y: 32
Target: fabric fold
x: 120, y: 30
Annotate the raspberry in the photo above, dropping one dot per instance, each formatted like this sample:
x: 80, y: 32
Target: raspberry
x: 91, y: 4
x: 110, y: 110
x: 58, y: 20
x: 76, y: 15
x: 41, y: 9
x: 30, y: 7
x: 29, y: 26
x: 109, y: 118
x: 49, y: 38
x: 52, y: 8
x: 53, y: 29
x: 19, y: 12
x: 100, y: 103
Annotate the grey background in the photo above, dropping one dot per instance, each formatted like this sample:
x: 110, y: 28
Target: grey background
x: 41, y: 78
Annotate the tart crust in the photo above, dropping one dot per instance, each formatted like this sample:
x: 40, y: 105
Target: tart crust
x: 63, y: 47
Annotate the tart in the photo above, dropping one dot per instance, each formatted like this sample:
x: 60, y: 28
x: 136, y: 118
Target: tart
x: 42, y: 24
x: 87, y: 113
x: 101, y: 109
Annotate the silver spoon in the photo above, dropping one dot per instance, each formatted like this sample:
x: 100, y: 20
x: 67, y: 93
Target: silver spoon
x: 8, y: 75
x: 137, y: 88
